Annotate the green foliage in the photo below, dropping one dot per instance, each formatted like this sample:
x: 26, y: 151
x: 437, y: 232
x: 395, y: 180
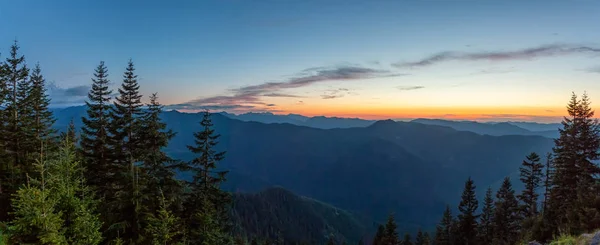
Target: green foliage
x: 56, y: 208
x: 390, y: 235
x: 531, y: 176
x: 206, y: 204
x: 444, y: 231
x: 486, y: 225
x: 163, y: 227
x: 565, y: 240
x: 506, y: 216
x: 467, y: 218
x: 406, y: 241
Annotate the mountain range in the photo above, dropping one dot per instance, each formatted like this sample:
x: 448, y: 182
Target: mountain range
x: 412, y: 169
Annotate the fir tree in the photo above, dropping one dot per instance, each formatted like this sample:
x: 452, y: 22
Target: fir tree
x: 531, y: 176
x: 57, y: 208
x: 43, y: 135
x: 76, y: 202
x: 158, y: 166
x: 163, y: 227
x: 15, y: 73
x: 100, y: 173
x: 506, y: 215
x: 124, y: 138
x: 390, y: 235
x: 574, y: 169
x: 485, y: 230
x: 407, y: 240
x: 206, y: 202
x: 36, y: 218
x: 467, y: 219
x: 443, y: 234
x: 420, y: 239
x: 547, y: 180
x: 378, y: 239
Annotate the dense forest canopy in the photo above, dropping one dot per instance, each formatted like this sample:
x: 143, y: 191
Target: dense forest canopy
x: 111, y: 180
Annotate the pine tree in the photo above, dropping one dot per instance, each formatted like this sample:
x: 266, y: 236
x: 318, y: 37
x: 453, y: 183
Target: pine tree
x: 485, y: 230
x: 531, y: 176
x: 548, y: 180
x: 506, y: 216
x: 426, y: 239
x: 15, y: 78
x: 390, y: 235
x: 43, y: 134
x: 57, y: 208
x: 407, y: 240
x: 206, y: 202
x: 124, y: 138
x: 574, y: 169
x: 100, y: 173
x: 76, y: 203
x: 467, y: 219
x: 443, y: 234
x: 158, y: 166
x: 5, y: 164
x: 420, y: 239
x: 378, y: 239
x: 163, y: 227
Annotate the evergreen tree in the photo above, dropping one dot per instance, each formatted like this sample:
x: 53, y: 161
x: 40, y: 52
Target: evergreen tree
x: 57, y: 208
x: 36, y: 218
x: 420, y: 239
x: 163, y: 227
x: 531, y: 176
x: 467, y: 219
x: 14, y: 81
x: 158, y: 166
x: 70, y: 135
x: 124, y: 138
x: 407, y: 240
x: 5, y: 164
x: 331, y: 241
x: 206, y: 203
x: 547, y: 180
x: 43, y: 133
x: 485, y: 230
x: 443, y: 234
x: 390, y: 235
x: 75, y: 203
x: 100, y: 173
x: 506, y: 216
x: 426, y: 239
x: 574, y: 169
x: 378, y: 239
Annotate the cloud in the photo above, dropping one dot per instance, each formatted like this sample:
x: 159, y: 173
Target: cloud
x: 523, y: 54
x: 193, y: 107
x: 594, y: 69
x: 271, y: 105
x: 253, y: 95
x: 336, y: 93
x: 407, y: 88
x: 67, y: 96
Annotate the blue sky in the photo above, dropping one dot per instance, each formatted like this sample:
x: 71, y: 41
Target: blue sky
x: 346, y: 58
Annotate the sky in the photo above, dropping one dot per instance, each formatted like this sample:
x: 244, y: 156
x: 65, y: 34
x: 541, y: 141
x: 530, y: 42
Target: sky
x: 485, y: 60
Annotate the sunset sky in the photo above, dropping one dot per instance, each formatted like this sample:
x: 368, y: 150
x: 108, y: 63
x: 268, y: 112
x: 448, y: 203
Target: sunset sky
x: 489, y: 60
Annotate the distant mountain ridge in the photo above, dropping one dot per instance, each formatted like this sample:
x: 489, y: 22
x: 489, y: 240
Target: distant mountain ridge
x: 497, y: 128
x: 295, y: 119
x: 409, y: 168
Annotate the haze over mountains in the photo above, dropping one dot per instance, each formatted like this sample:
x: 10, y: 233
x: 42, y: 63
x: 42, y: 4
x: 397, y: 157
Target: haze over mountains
x: 410, y: 168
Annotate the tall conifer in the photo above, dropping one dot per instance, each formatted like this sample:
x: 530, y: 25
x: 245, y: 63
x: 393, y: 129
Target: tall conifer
x: 506, y: 216
x: 207, y: 205
x: 531, y: 176
x: 467, y: 219
x: 485, y: 230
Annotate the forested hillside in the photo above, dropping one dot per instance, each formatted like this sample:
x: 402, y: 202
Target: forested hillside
x: 125, y: 172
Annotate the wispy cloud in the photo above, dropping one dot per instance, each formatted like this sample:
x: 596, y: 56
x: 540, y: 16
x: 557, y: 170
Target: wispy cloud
x: 523, y: 54
x: 594, y: 69
x: 335, y: 93
x: 67, y: 96
x: 253, y: 95
x: 407, y: 88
